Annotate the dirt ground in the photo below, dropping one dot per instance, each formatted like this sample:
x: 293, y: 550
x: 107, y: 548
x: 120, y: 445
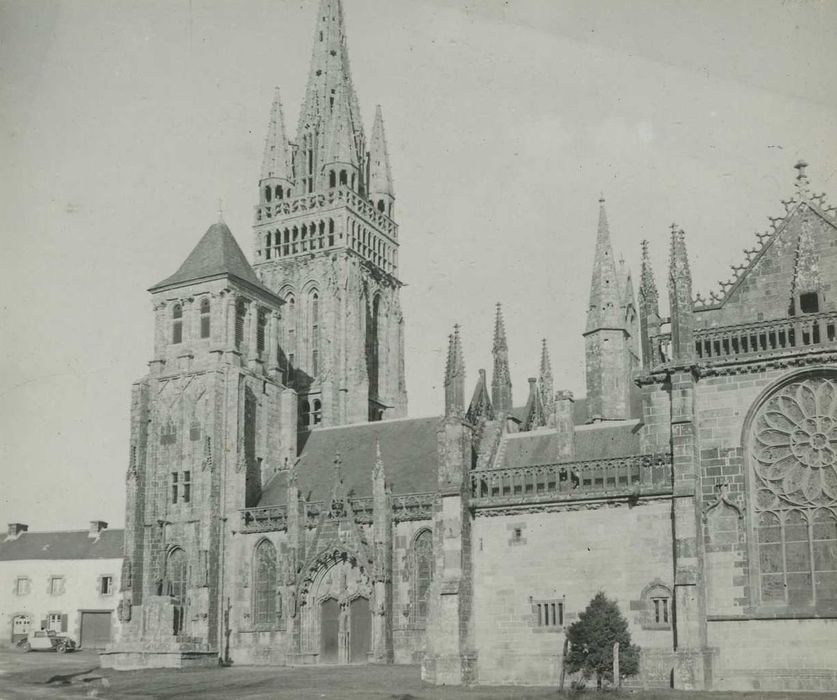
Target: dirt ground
x: 49, y: 675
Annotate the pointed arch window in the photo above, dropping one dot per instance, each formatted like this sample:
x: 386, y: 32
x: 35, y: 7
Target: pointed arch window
x: 177, y: 324
x: 264, y: 584
x: 422, y: 576
x: 315, y: 333
x: 205, y: 318
x: 290, y: 331
x: 332, y: 179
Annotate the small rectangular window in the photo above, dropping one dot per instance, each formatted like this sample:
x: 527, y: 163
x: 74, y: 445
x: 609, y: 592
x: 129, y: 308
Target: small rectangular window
x: 187, y: 486
x: 204, y: 325
x: 550, y: 613
x: 56, y: 585
x: 54, y: 622
x: 660, y: 610
x: 174, y: 487
x: 22, y: 586
x: 106, y: 585
x: 809, y: 303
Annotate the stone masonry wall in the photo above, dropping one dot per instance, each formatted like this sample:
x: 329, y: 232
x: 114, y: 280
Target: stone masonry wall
x: 567, y: 556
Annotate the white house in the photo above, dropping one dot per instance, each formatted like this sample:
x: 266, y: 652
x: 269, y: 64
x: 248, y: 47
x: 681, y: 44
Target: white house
x: 65, y: 580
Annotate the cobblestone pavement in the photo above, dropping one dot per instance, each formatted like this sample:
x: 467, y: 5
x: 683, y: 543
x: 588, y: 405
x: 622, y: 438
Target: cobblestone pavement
x: 47, y: 675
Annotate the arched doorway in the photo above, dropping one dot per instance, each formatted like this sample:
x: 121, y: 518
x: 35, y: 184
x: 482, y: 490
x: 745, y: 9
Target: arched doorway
x: 360, y: 626
x: 176, y: 584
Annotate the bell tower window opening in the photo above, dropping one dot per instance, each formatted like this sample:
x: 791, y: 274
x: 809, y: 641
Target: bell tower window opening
x: 332, y: 179
x: 177, y: 324
x: 260, y: 330
x: 205, y: 319
x: 267, y: 193
x: 240, y: 313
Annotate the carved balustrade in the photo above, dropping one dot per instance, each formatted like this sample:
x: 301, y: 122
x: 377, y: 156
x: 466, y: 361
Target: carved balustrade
x: 751, y: 340
x: 266, y: 519
x: 337, y: 195
x: 413, y: 506
x: 625, y: 476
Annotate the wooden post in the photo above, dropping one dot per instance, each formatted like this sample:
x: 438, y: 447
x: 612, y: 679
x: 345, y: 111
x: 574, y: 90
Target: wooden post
x: 616, y: 679
x: 563, y: 664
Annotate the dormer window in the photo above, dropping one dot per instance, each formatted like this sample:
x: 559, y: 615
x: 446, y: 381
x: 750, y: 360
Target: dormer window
x: 809, y: 303
x: 177, y: 324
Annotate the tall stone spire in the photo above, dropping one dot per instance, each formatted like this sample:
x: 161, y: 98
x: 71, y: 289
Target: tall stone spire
x: 546, y: 383
x: 276, y: 163
x: 680, y: 299
x: 329, y: 76
x: 455, y: 376
x: 339, y: 144
x: 501, y: 385
x: 607, y: 336
x: 649, y: 309
x: 381, y: 191
x: 605, y: 304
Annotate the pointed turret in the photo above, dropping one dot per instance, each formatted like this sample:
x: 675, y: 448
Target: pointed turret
x: 381, y: 191
x: 276, y: 164
x: 607, y: 337
x: 546, y: 386
x: 339, y: 147
x: 480, y: 407
x: 649, y: 309
x: 329, y: 90
x: 680, y: 299
x: 455, y: 376
x: 605, y: 305
x: 501, y: 385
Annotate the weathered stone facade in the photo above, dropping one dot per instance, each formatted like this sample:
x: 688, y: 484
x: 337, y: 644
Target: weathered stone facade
x: 696, y: 486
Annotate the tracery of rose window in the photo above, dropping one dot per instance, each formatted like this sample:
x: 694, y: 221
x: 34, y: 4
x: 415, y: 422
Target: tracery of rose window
x: 793, y: 454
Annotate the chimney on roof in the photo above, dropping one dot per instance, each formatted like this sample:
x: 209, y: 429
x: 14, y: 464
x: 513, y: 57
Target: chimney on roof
x: 96, y: 527
x: 15, y: 530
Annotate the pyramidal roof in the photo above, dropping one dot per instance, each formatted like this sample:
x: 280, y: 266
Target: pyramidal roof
x: 215, y: 255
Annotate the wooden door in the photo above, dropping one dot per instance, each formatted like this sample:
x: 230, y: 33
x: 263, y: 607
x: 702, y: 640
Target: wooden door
x: 176, y: 584
x: 329, y: 629
x: 360, y: 638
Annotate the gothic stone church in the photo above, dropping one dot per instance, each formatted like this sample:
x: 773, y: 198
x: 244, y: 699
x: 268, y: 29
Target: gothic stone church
x: 283, y: 509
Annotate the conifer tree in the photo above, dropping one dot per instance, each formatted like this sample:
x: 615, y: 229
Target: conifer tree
x: 591, y: 642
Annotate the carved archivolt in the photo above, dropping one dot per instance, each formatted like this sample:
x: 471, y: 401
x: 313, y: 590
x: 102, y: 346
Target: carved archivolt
x: 794, y: 443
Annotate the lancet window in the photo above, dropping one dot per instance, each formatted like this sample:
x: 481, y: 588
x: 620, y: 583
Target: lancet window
x: 264, y: 584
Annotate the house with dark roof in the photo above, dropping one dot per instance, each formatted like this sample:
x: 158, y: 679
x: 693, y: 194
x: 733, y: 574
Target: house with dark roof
x: 67, y: 581
x: 283, y: 508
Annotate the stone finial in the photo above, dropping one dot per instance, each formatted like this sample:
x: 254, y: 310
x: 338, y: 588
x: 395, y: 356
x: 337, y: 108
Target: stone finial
x: 455, y: 376
x: 802, y: 184
x: 378, y: 468
x: 501, y: 385
x: 681, y: 301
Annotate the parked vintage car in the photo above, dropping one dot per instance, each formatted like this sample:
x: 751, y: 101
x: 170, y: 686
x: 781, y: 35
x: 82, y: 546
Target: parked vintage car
x: 46, y: 640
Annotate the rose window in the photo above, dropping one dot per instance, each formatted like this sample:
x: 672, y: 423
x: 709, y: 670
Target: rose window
x: 794, y: 445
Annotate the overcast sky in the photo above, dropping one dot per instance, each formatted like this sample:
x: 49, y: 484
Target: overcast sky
x: 123, y: 123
